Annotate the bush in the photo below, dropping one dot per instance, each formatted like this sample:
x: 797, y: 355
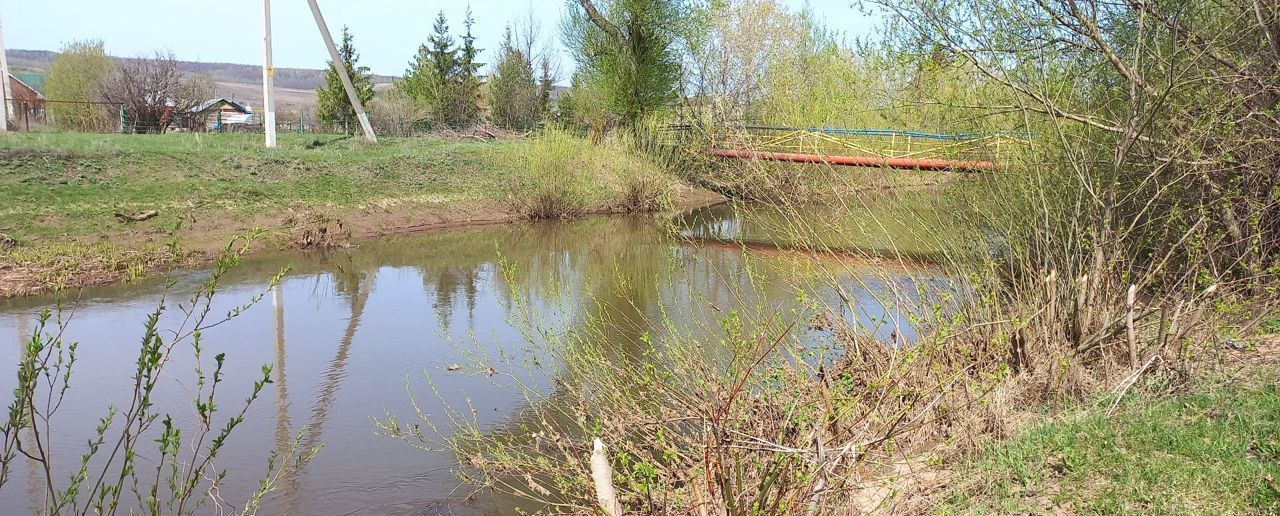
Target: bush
x: 555, y: 177
x: 561, y: 176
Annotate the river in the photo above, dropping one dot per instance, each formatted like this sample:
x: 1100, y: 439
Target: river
x: 349, y: 330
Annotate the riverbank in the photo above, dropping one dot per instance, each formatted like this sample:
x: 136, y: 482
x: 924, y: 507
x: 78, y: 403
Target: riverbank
x: 1211, y: 446
x: 75, y: 197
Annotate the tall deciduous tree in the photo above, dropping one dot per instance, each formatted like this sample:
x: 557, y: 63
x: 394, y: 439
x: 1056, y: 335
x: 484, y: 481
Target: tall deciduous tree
x: 334, y: 107
x: 76, y: 76
x: 629, y: 50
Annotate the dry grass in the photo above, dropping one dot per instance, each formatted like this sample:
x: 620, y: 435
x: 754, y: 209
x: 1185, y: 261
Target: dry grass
x: 563, y: 176
x: 31, y: 269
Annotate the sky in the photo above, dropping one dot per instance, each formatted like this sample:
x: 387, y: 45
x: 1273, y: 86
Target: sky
x: 387, y: 32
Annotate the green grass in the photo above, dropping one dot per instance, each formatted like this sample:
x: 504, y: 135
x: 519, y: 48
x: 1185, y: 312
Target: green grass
x: 64, y: 189
x: 1213, y: 451
x: 1272, y: 326
x: 71, y: 184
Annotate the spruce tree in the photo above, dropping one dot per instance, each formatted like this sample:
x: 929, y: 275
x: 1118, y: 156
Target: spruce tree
x: 431, y: 80
x: 334, y: 107
x: 468, y: 81
x: 442, y: 54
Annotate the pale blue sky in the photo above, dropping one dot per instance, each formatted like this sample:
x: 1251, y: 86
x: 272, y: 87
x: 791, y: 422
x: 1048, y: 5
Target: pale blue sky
x: 387, y: 32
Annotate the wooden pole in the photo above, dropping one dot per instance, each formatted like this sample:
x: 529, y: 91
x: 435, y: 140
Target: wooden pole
x: 1130, y: 333
x: 268, y: 79
x: 341, y: 67
x: 602, y: 478
x: 4, y: 85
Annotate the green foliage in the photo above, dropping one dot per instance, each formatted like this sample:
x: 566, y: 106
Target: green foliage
x: 1154, y: 156
x: 515, y: 98
x: 557, y: 185
x: 1214, y: 451
x: 630, y: 55
x: 180, y: 475
x: 468, y: 83
x: 442, y: 78
x: 564, y: 176
x: 584, y: 105
x: 75, y: 76
x: 1272, y: 325
x: 334, y: 106
x: 428, y: 72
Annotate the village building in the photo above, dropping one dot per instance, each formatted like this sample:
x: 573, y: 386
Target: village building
x: 219, y: 115
x: 25, y: 104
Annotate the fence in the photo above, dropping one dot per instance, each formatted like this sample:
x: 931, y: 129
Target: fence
x: 61, y: 115
x: 833, y: 142
x: 105, y: 117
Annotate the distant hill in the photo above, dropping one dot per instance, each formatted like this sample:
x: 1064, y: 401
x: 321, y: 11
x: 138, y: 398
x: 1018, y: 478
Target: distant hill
x: 295, y: 87
x: 292, y: 78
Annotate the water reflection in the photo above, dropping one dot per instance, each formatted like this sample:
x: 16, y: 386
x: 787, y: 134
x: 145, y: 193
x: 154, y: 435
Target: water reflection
x: 347, y: 330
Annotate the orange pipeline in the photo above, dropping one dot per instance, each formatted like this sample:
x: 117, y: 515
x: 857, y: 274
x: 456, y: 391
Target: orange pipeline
x: 860, y: 161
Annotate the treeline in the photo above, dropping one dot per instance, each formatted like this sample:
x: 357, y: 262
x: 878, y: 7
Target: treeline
x: 295, y: 78
x: 678, y: 60
x: 445, y: 86
x: 724, y: 61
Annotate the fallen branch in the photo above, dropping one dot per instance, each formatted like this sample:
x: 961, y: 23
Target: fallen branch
x: 1113, y: 330
x: 139, y: 217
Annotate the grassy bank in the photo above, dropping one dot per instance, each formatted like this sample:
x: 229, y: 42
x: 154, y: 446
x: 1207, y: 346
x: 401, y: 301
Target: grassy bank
x: 1212, y: 450
x: 67, y: 190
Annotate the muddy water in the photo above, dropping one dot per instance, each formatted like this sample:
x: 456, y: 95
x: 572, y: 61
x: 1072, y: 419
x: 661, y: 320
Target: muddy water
x: 348, y: 331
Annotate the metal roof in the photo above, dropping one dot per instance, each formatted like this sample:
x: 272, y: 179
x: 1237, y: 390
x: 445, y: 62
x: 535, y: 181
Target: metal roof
x: 204, y: 106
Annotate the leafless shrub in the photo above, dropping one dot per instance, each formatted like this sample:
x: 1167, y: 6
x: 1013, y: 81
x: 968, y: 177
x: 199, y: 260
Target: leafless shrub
x: 153, y: 92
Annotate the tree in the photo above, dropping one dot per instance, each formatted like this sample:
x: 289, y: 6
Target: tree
x: 334, y: 107
x: 153, y: 92
x: 442, y: 76
x: 76, y: 76
x: 1160, y: 122
x: 425, y: 81
x: 629, y: 51
x: 732, y: 63
x: 467, y: 82
x: 546, y: 83
x: 514, y: 96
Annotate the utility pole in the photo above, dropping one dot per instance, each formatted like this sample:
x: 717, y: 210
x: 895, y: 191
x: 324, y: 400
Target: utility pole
x: 268, y: 78
x: 341, y: 67
x: 4, y: 85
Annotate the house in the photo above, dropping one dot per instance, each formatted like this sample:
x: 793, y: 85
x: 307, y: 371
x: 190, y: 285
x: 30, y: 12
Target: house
x: 24, y: 104
x: 20, y: 91
x: 219, y: 114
